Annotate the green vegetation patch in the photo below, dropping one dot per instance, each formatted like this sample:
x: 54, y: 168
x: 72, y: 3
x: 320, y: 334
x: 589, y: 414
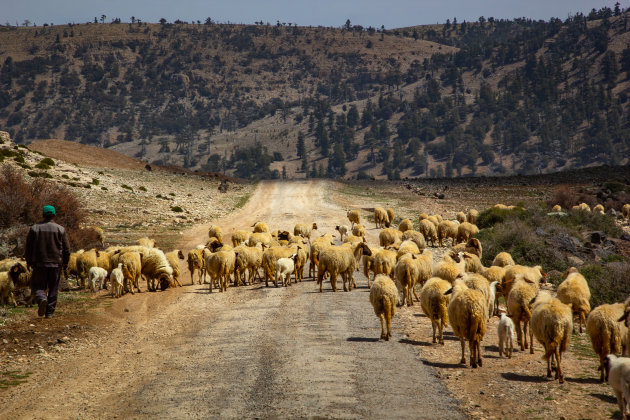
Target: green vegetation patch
x: 9, y: 378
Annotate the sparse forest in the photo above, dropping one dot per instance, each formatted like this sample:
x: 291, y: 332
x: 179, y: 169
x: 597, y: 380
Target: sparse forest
x: 488, y: 97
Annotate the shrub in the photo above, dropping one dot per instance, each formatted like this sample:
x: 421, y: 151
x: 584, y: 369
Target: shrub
x: 104, y: 188
x: 177, y: 209
x: 21, y: 202
x: 143, y: 188
x: 42, y: 165
x: 171, y: 194
x: 19, y: 159
x: 492, y: 216
x: 34, y: 174
x: 64, y: 176
x: 47, y: 161
x: 127, y: 187
x: 608, y: 283
x: 95, y: 181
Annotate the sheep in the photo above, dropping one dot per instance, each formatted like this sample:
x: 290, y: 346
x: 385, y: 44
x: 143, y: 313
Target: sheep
x: 405, y: 225
x: 410, y: 270
x: 390, y: 215
x: 215, y: 231
x: 7, y: 263
x: 473, y: 263
x: 260, y: 227
x: 552, y: 323
x: 340, y: 260
x: 247, y: 258
x: 518, y: 308
x: 473, y: 246
x: 428, y: 230
x: 132, y: 268
x: 317, y: 247
x: 354, y: 216
x: 220, y: 265
x: 582, y: 207
x: 147, y: 242
x: 8, y: 281
x: 450, y: 267
x: 492, y: 299
x: 447, y: 229
x: 505, y: 331
x: 173, y: 258
x: 478, y: 282
x: 380, y: 217
x: 342, y: 229
x: 383, y: 262
x: 467, y: 312
x: 466, y: 231
x: 407, y: 247
x: 607, y: 334
x: 599, y: 209
x: 435, y: 219
x: 117, y: 279
x: 556, y: 209
x: 352, y: 238
x: 389, y: 236
x: 284, y: 268
x: 155, y: 267
x: 240, y: 237
x: 416, y: 237
x: 270, y: 258
x: 574, y: 291
x: 96, y: 278
x: 71, y: 269
x: 503, y: 259
x: 461, y: 217
x: 423, y: 216
x: 304, y: 230
x: 434, y: 303
x: 358, y: 230
x: 260, y: 238
x: 618, y: 374
x: 196, y: 262
x: 100, y: 236
x: 534, y: 275
x: 500, y: 207
x: 495, y: 275
x: 384, y: 297
x: 625, y: 211
x: 472, y: 216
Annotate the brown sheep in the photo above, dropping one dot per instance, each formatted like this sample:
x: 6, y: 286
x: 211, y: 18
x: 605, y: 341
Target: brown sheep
x: 340, y: 260
x: 607, y: 333
x: 196, y: 261
x: 434, y: 304
x: 405, y: 225
x: 389, y: 236
x: 354, y: 216
x: 574, y: 291
x: 380, y: 217
x: 447, y: 229
x: 384, y: 297
x: 428, y: 230
x: 518, y: 308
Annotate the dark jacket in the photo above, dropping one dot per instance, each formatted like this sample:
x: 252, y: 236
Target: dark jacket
x: 47, y: 245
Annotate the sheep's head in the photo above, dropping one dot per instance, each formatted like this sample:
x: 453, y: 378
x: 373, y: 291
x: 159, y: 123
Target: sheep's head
x: 283, y: 236
x: 314, y: 226
x: 16, y: 270
x: 165, y: 281
x: 180, y: 255
x: 366, y: 249
x: 570, y: 271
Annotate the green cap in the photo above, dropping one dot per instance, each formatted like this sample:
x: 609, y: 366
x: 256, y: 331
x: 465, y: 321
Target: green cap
x: 49, y: 211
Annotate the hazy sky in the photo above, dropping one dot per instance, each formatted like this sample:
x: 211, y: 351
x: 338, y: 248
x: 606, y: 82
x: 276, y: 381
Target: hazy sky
x: 391, y: 13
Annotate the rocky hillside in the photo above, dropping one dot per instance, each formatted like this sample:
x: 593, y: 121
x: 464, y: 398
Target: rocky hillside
x: 259, y: 101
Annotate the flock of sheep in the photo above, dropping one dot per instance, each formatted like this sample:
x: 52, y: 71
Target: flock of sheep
x: 455, y: 288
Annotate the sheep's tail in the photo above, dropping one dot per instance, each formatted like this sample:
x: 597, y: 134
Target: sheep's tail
x: 126, y: 272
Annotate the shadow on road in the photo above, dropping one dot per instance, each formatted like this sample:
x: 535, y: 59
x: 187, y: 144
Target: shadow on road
x: 606, y: 398
x: 583, y: 380
x: 511, y: 376
x: 363, y: 339
x: 414, y: 342
x: 444, y: 365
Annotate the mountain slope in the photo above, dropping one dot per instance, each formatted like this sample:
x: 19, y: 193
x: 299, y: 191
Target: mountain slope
x: 488, y: 97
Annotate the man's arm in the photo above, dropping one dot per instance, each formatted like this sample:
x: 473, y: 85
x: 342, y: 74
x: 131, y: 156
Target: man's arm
x: 65, y: 249
x: 28, y: 251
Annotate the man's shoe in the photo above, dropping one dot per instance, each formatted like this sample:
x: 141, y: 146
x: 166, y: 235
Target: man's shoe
x: 41, y: 310
x: 49, y: 315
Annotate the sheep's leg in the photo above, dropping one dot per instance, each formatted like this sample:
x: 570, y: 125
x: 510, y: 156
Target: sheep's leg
x: 433, y: 322
x: 501, y: 344
x: 333, y: 280
x: 511, y: 344
x: 344, y: 278
x: 473, y: 353
x: 441, y: 329
x: 582, y: 321
x: 559, y: 374
x: 320, y: 280
x: 463, y: 359
x: 210, y: 288
x: 382, y: 318
x: 389, y: 312
x: 531, y: 340
x: 519, y: 334
x: 525, y: 334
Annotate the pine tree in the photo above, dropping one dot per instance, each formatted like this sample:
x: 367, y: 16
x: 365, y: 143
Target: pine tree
x: 301, y: 146
x: 353, y: 116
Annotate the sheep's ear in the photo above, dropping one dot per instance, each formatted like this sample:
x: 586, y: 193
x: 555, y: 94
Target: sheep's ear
x: 413, y: 256
x: 449, y: 291
x: 467, y: 256
x: 337, y: 227
x: 623, y: 317
x: 531, y: 302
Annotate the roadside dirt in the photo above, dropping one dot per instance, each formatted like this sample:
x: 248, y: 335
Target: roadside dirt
x: 283, y: 352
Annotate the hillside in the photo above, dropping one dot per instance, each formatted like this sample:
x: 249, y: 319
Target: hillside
x: 489, y: 97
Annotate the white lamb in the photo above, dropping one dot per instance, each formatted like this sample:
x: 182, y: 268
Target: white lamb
x: 96, y: 278
x: 618, y: 372
x: 116, y: 278
x: 284, y: 269
x: 505, y: 331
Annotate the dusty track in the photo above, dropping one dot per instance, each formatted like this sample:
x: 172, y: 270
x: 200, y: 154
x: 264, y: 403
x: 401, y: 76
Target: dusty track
x: 250, y: 352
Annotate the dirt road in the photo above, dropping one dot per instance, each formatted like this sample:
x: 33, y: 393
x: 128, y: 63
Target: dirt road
x: 252, y: 352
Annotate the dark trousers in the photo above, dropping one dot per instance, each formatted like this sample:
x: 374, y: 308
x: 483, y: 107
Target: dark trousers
x: 46, y: 278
